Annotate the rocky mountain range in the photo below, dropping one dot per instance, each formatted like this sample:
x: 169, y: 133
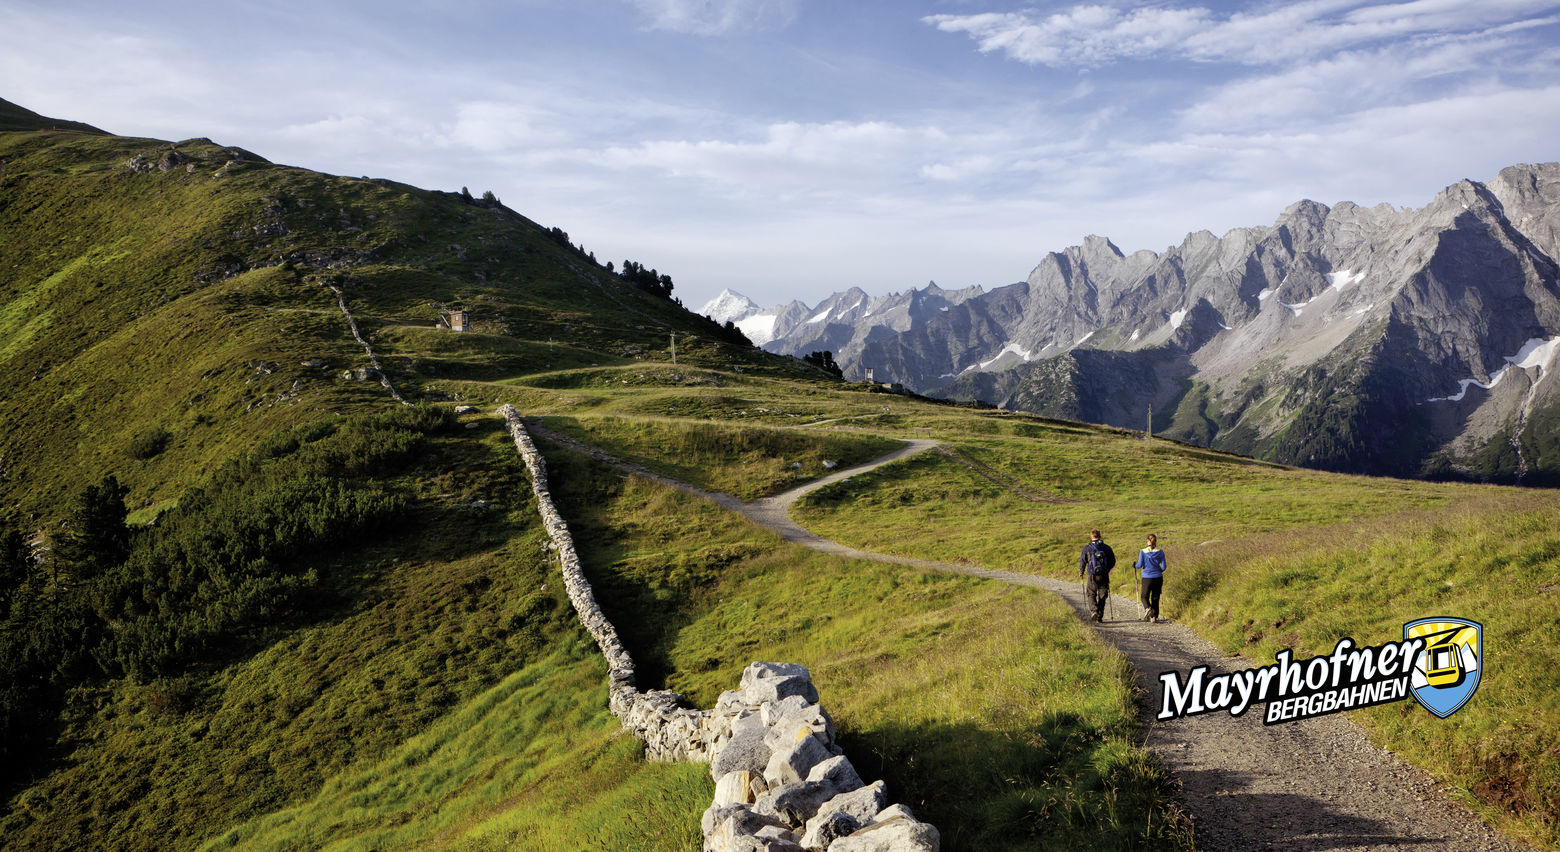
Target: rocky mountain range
x: 1380, y: 340
x: 844, y: 323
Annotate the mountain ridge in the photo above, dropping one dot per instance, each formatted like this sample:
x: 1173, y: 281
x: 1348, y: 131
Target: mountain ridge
x: 1306, y: 341
x: 17, y: 117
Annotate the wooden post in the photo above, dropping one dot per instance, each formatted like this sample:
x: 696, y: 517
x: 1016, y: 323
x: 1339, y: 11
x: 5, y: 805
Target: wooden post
x: 674, y: 347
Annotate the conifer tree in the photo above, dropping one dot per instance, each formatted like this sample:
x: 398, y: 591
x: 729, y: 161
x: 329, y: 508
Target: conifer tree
x: 96, y: 537
x: 15, y: 566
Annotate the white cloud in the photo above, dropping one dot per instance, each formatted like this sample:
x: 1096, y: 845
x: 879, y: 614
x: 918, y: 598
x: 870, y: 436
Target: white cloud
x: 496, y: 125
x: 1318, y: 91
x: 1092, y: 35
x: 717, y: 17
x: 1084, y: 35
x: 961, y: 168
x: 793, y: 159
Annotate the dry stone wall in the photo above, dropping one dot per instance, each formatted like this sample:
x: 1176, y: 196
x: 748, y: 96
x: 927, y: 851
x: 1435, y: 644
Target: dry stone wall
x: 373, y: 360
x: 781, y: 782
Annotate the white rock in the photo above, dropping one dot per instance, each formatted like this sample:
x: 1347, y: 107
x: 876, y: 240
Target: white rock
x: 734, y: 788
x: 791, y: 764
x: 899, y: 811
x: 838, y: 773
x: 895, y: 835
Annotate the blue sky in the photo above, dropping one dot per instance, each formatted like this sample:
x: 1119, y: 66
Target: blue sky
x: 792, y: 148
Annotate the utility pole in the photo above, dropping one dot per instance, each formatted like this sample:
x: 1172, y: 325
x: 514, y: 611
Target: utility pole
x: 1150, y: 433
x: 674, y: 347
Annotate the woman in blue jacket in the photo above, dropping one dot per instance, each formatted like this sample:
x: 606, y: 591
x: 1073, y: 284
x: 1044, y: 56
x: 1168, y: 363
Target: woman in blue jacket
x: 1151, y: 567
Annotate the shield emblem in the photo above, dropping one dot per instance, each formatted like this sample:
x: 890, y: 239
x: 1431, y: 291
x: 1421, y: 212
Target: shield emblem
x: 1446, y: 671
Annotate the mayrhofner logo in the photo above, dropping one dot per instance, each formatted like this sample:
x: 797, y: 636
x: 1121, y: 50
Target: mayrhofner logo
x: 1437, y: 662
x: 1446, y: 672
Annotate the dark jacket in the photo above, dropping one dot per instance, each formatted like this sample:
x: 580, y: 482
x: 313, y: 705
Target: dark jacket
x: 1083, y: 558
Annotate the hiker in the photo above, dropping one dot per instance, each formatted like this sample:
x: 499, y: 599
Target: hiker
x: 1095, y: 563
x: 1151, y: 568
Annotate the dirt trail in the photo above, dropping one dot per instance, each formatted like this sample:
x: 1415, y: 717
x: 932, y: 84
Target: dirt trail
x: 1317, y: 784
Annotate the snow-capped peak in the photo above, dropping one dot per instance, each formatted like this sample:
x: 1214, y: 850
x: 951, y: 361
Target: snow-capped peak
x: 729, y: 306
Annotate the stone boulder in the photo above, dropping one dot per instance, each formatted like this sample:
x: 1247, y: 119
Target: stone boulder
x: 794, y: 803
x: 894, y: 835
x: 746, y: 751
x: 792, y: 762
x: 845, y: 814
x: 737, y: 788
x: 838, y: 773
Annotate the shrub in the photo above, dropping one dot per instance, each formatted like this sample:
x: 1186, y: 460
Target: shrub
x: 149, y: 445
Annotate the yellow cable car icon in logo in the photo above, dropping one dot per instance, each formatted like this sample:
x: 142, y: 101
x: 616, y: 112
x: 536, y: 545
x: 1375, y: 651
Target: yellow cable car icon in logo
x: 1443, y: 660
x: 1446, y: 672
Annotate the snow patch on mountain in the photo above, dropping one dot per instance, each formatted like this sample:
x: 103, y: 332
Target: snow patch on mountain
x: 1344, y: 278
x: 759, y: 328
x: 1010, y: 349
x: 1536, y: 352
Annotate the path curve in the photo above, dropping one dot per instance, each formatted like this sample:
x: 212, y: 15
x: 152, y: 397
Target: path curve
x: 1317, y: 784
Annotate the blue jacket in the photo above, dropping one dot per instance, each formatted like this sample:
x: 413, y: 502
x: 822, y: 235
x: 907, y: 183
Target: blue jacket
x: 1151, y: 563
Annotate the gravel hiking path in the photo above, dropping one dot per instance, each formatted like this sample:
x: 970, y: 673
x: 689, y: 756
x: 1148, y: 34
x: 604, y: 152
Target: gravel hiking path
x: 1316, y: 784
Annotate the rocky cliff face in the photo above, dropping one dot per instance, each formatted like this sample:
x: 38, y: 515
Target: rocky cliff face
x: 1383, y: 340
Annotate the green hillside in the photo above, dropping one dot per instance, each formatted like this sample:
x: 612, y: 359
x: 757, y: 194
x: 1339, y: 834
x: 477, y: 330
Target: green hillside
x: 333, y: 620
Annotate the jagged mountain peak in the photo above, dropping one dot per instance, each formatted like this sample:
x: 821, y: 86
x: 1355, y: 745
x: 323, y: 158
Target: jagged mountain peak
x: 1096, y: 245
x: 1530, y: 196
x: 1198, y: 241
x: 1090, y: 240
x: 1305, y: 207
x: 1304, y: 221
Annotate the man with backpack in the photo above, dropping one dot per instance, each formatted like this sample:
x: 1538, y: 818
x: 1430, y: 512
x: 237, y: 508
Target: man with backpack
x: 1095, y: 564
